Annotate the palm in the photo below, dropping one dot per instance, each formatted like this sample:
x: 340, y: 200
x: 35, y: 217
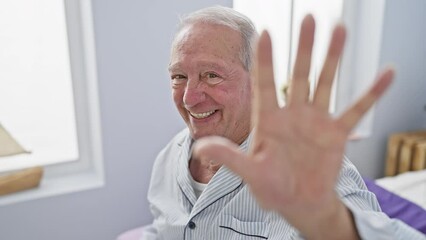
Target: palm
x: 299, y: 161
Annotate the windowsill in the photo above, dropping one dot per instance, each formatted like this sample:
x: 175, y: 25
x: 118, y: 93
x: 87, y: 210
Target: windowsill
x: 40, y: 158
x: 54, y: 186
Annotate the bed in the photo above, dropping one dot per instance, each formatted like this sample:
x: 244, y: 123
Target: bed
x: 403, y: 197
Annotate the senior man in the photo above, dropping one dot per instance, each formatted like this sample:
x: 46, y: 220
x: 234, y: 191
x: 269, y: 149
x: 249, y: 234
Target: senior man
x: 285, y: 175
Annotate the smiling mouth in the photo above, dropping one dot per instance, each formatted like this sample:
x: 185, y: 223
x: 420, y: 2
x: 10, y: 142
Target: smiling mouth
x: 202, y: 115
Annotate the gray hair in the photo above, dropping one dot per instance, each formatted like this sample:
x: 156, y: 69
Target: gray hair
x: 227, y: 17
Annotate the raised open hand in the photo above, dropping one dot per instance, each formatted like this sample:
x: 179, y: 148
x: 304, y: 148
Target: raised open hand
x: 296, y: 154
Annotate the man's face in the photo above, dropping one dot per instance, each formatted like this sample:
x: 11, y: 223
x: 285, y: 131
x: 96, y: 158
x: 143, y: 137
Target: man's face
x: 211, y: 88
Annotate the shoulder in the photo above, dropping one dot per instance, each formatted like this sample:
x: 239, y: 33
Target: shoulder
x: 352, y: 189
x: 167, y: 158
x: 349, y: 175
x: 166, y: 162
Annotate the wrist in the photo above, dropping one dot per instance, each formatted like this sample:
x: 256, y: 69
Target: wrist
x: 338, y: 224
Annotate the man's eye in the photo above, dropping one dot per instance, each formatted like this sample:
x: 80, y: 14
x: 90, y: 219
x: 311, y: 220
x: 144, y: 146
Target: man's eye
x: 178, y: 78
x: 212, y: 75
x: 212, y: 78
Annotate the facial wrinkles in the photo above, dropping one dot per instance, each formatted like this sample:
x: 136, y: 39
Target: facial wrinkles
x: 244, y: 105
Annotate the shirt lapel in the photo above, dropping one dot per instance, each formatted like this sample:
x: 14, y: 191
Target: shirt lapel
x: 183, y: 178
x: 222, y: 183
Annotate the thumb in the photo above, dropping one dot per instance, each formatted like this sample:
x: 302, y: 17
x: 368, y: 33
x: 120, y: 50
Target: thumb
x: 223, y: 151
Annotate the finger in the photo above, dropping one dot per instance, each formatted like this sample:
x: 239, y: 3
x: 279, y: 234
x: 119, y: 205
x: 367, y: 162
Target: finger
x: 299, y: 88
x: 325, y: 82
x: 352, y: 116
x: 223, y: 151
x: 264, y: 86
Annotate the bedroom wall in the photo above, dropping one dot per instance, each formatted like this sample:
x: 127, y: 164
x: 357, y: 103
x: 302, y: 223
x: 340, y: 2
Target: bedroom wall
x: 138, y: 119
x: 404, y: 106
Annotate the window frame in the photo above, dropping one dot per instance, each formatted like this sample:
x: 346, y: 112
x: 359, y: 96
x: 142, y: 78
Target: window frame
x: 360, y: 61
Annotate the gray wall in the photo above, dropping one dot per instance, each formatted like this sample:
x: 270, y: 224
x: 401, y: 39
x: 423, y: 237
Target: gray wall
x: 403, y: 107
x: 138, y: 117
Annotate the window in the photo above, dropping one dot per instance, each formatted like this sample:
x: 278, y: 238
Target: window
x: 282, y: 19
x: 36, y: 95
x: 49, y: 98
x: 363, y: 19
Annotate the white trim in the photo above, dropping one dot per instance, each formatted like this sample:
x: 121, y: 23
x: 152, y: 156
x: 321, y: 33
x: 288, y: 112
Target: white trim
x: 360, y: 62
x: 87, y: 172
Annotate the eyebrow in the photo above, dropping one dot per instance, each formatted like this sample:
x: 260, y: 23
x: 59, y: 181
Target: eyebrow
x: 173, y: 67
x: 214, y: 65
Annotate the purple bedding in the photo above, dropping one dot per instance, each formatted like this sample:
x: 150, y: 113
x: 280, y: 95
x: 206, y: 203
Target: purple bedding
x: 397, y: 207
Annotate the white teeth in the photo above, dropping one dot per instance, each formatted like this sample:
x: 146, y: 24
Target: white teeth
x: 201, y: 115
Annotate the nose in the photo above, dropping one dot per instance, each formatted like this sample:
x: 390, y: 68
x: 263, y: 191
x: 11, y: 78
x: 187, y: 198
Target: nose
x: 194, y: 93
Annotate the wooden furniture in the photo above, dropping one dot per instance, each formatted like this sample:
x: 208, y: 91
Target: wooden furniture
x: 406, y: 151
x: 21, y: 180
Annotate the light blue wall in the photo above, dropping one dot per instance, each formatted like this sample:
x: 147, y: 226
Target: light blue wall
x: 403, y: 107
x: 138, y: 118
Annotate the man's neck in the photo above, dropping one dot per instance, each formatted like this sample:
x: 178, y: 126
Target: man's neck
x: 202, y: 171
